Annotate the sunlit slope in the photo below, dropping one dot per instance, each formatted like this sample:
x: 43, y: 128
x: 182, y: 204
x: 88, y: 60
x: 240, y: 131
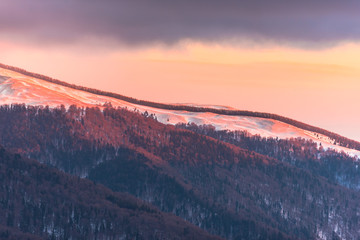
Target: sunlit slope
x: 19, y: 88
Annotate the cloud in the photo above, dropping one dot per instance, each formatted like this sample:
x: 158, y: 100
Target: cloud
x: 137, y: 22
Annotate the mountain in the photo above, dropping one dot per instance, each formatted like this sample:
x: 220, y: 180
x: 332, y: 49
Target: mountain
x: 20, y: 86
x: 229, y: 183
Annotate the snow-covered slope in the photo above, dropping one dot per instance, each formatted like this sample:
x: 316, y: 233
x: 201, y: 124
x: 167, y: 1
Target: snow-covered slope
x: 18, y: 88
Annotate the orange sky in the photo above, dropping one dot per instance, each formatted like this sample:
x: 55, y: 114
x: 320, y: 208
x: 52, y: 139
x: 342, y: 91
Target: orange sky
x: 319, y: 87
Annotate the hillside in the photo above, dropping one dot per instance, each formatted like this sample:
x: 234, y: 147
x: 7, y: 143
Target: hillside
x: 38, y: 202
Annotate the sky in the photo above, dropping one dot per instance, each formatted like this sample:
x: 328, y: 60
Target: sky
x: 299, y: 59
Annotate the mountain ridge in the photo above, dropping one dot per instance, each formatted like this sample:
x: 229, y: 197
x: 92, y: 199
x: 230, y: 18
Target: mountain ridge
x: 336, y: 138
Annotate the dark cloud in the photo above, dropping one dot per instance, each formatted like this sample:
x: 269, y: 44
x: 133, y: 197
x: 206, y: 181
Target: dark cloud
x: 146, y: 21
